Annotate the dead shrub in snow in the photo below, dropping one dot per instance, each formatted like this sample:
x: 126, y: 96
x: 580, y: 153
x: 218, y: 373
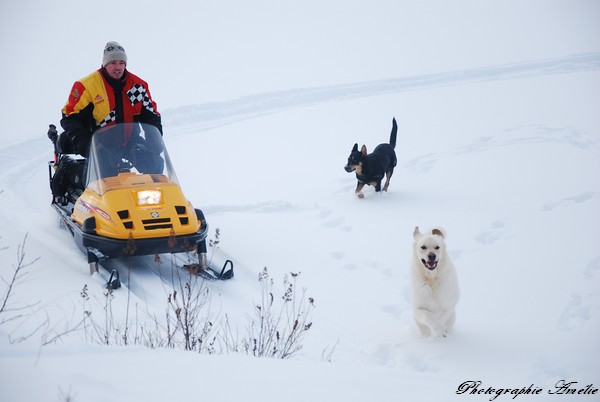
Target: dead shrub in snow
x: 278, y: 325
x: 276, y: 328
x: 8, y: 311
x: 188, y: 320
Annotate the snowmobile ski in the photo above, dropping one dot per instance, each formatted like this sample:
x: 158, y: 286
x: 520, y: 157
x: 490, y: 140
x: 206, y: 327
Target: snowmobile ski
x: 113, y: 282
x: 209, y: 273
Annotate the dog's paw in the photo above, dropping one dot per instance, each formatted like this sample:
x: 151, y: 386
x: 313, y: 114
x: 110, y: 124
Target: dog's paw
x: 440, y: 333
x: 360, y: 195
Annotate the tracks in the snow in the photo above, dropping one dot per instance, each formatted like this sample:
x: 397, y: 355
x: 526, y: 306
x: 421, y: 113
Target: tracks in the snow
x: 209, y: 115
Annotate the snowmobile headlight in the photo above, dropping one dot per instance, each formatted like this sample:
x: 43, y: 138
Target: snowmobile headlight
x: 149, y: 197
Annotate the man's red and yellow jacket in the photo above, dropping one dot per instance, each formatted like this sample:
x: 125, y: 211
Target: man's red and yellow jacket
x: 107, y: 106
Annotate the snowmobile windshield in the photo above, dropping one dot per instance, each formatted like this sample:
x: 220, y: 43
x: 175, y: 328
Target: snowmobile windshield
x: 130, y: 149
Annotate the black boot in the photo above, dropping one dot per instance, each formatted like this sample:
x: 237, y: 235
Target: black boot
x: 68, y: 174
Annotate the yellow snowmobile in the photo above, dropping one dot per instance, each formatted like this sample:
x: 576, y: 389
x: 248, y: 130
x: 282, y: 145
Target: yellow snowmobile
x: 132, y: 203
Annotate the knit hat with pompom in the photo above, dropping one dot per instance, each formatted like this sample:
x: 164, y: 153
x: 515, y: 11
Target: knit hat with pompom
x: 113, y: 51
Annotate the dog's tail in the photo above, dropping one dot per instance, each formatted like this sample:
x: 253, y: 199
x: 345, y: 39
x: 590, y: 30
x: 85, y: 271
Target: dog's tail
x: 393, y: 134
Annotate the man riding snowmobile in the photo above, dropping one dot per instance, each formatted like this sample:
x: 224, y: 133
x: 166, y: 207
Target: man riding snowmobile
x: 123, y: 199
x: 109, y: 95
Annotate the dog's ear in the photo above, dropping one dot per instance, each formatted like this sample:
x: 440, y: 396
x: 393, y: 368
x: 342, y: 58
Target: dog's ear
x: 438, y: 232
x: 363, y: 150
x: 355, y: 149
x: 416, y: 232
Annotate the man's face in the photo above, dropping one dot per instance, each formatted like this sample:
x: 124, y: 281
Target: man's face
x: 115, y: 69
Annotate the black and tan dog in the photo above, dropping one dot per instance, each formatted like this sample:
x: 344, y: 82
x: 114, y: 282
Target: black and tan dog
x: 371, y: 168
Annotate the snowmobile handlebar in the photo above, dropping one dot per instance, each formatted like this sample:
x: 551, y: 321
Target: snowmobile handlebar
x: 52, y: 133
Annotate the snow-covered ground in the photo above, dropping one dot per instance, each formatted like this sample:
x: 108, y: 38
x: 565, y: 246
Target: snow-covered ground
x: 498, y: 142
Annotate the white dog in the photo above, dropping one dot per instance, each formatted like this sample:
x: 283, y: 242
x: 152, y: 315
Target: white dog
x: 434, y: 284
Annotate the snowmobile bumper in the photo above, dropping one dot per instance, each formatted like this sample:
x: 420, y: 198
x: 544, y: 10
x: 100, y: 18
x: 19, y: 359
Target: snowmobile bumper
x: 103, y: 247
